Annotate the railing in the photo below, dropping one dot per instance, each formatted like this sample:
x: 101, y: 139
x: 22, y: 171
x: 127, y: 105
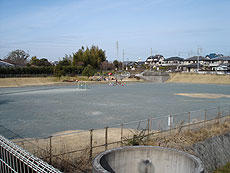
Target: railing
x: 15, y: 159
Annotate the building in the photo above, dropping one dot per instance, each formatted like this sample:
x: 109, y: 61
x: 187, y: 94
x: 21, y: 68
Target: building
x: 173, y: 61
x: 4, y: 64
x: 223, y: 67
x: 154, y: 61
x: 195, y: 59
x: 218, y: 62
x: 193, y: 67
x: 214, y: 55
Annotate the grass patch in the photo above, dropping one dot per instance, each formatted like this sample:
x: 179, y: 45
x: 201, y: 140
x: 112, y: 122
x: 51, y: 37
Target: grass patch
x: 224, y: 169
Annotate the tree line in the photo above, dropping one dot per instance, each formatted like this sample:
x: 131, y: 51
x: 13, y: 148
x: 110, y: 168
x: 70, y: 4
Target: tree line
x: 86, y: 61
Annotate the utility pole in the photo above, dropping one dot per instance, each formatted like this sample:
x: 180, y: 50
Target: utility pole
x: 117, y: 49
x: 198, y: 53
x: 151, y: 52
x: 123, y: 56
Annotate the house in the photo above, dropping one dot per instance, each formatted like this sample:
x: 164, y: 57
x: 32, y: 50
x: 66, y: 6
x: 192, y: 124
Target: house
x: 195, y: 59
x: 139, y: 63
x: 4, y: 64
x: 223, y: 67
x: 173, y: 61
x: 216, y: 62
x: 154, y: 61
x: 190, y: 67
x: 128, y: 64
x: 214, y: 55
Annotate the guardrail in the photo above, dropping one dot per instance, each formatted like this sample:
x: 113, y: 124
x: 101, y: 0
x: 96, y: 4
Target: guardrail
x: 15, y: 159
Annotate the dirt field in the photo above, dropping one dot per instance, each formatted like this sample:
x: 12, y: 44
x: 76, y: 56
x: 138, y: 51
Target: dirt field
x: 38, y: 81
x: 199, y: 78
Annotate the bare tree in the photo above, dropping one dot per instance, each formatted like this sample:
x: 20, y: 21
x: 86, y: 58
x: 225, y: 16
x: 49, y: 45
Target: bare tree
x: 17, y: 57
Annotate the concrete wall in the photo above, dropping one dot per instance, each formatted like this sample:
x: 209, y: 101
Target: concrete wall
x: 146, y: 159
x: 158, y: 77
x: 214, y: 152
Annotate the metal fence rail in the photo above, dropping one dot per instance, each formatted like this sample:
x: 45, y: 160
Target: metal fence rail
x: 15, y: 159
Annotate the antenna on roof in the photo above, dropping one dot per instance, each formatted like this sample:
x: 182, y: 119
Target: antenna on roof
x: 151, y: 52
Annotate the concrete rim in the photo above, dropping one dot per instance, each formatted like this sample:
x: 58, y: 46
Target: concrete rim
x: 97, y: 166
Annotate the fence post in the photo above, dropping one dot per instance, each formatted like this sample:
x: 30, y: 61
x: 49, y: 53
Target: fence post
x: 91, y: 144
x: 50, y: 152
x: 106, y: 138
x: 218, y: 114
x: 189, y: 120
x: 121, y: 134
x: 170, y: 123
x: 205, y: 116
x: 148, y: 126
x: 228, y: 111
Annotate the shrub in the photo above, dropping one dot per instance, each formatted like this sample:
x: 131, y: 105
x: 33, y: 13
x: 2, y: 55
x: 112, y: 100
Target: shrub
x: 88, y: 71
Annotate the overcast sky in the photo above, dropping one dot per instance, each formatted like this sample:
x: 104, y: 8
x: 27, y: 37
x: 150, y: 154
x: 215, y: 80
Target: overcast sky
x: 53, y: 28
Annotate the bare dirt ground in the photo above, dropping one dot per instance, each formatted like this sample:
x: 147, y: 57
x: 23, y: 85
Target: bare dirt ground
x: 39, y: 81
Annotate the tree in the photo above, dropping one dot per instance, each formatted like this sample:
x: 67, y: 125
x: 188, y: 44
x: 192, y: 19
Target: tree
x: 117, y: 64
x: 93, y: 56
x: 17, y: 57
x: 88, y: 71
x: 39, y: 62
x: 44, y: 62
x: 64, y: 62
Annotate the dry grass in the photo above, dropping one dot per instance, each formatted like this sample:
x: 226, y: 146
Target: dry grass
x: 199, y: 78
x: 180, y: 138
x: 224, y: 169
x: 185, y: 138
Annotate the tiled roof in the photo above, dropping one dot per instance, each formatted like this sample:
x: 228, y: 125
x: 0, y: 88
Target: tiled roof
x: 174, y: 59
x: 195, y: 58
x: 5, y: 64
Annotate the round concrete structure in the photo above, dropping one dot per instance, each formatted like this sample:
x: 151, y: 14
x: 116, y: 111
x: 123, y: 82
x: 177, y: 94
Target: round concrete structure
x: 146, y: 159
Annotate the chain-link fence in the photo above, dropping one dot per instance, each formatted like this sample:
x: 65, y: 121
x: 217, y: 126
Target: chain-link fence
x: 74, y: 150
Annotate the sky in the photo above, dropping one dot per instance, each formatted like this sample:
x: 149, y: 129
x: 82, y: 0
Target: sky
x: 52, y: 28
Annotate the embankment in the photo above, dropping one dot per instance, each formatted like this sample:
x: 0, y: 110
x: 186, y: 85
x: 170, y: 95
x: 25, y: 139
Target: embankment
x: 37, y: 81
x: 199, y: 78
x: 17, y: 82
x: 214, y: 152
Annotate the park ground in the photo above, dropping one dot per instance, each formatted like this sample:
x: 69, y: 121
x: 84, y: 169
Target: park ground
x: 174, y: 78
